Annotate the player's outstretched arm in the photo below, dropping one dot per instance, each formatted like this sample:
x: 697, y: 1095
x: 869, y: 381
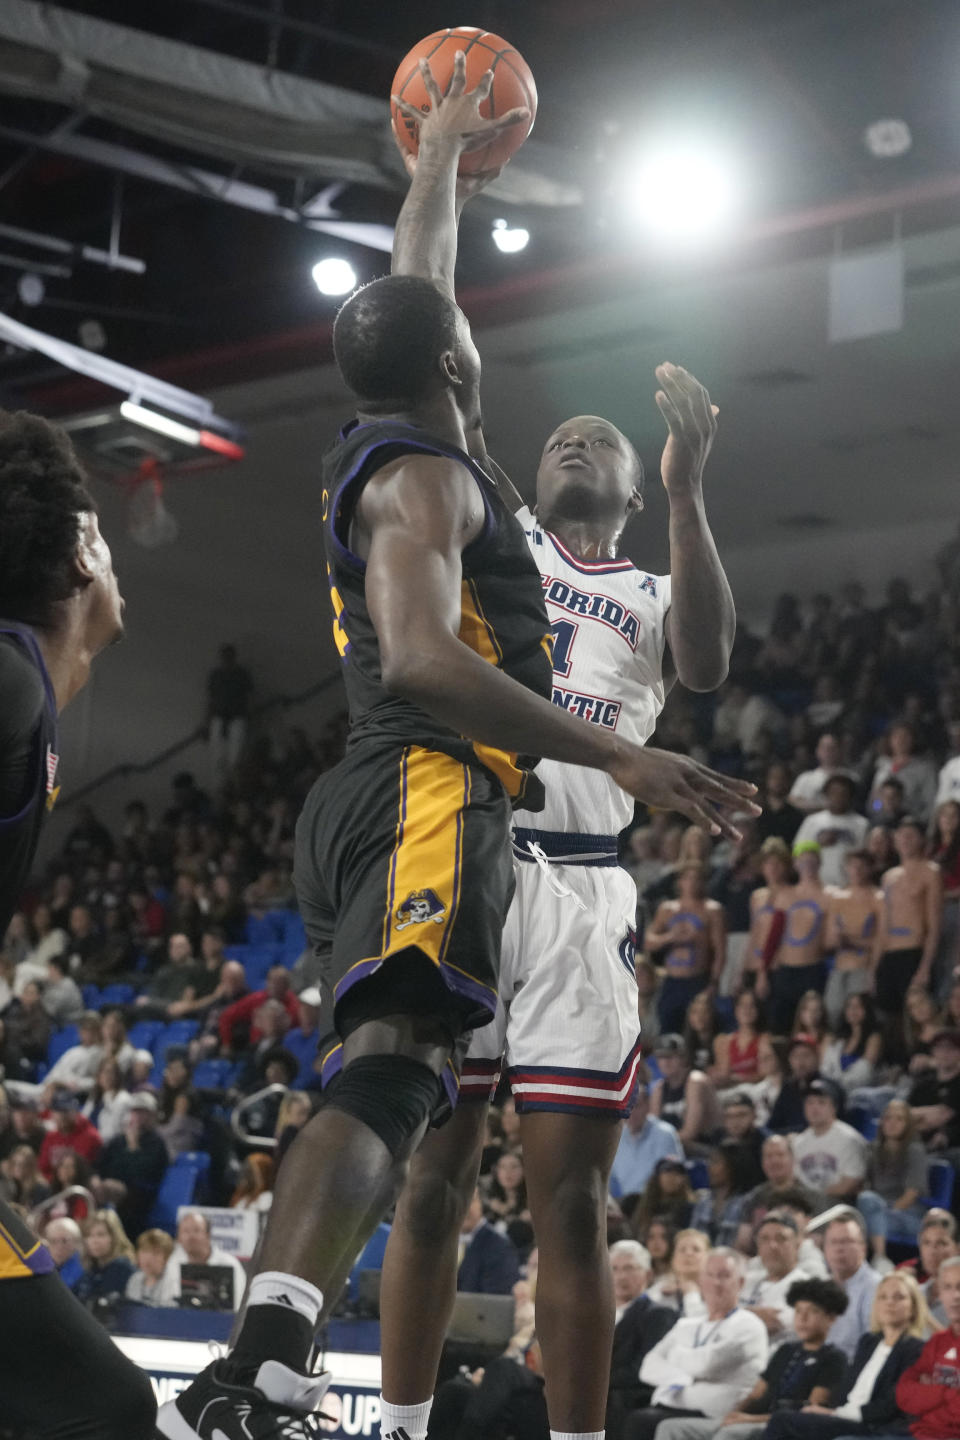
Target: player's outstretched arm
x: 702, y: 620
x: 425, y: 238
x: 417, y: 516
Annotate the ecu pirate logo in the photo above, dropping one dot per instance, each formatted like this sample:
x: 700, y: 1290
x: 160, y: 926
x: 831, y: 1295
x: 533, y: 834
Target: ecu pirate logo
x: 419, y: 907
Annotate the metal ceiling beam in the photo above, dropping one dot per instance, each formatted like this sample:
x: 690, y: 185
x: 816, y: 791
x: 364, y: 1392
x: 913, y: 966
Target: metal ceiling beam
x: 91, y: 253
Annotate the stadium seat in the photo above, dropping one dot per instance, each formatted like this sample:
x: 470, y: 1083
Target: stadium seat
x: 863, y: 1120
x: 177, y: 1032
x: 265, y: 929
x: 211, y: 1074
x: 940, y: 1180
x: 699, y: 1174
x: 91, y: 996
x: 143, y: 1033
x: 294, y: 936
x: 183, y: 1184
x: 62, y: 1041
x: 723, y: 1004
x: 117, y: 995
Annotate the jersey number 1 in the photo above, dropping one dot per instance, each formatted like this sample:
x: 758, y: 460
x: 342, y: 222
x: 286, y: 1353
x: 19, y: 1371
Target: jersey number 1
x: 564, y: 634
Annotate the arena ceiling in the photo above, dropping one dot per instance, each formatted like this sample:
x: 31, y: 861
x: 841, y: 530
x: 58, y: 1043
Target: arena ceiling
x: 789, y: 85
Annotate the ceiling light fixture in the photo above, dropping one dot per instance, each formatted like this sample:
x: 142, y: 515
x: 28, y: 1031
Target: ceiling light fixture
x: 334, y: 276
x: 509, y: 240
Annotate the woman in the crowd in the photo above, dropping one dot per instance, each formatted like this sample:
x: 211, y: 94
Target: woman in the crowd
x: 13, y: 1065
x: 295, y: 1110
x: 667, y: 1196
x: 945, y: 848
x: 510, y: 1124
x: 20, y: 1180
x: 899, y: 1322
x: 810, y: 1016
x: 648, y: 996
x: 737, y: 1055
x: 49, y: 941
x: 29, y: 1024
x: 660, y: 1238
x: 718, y: 1210
x: 700, y: 1030
x: 680, y: 1287
x: 255, y: 1190
x: 772, y: 1066
x: 492, y: 1141
x: 113, y: 1037
x: 152, y: 1283
x: 107, y: 1259
x: 18, y: 941
x: 106, y: 1105
x: 922, y: 1022
x: 506, y: 1197
x: 896, y: 1179
x: 852, y: 1058
x: 70, y: 1170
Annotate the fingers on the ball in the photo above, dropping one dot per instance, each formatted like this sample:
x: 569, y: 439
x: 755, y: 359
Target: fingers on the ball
x: 484, y: 85
x: 405, y: 108
x: 458, y: 80
x: 518, y: 116
x: 430, y: 83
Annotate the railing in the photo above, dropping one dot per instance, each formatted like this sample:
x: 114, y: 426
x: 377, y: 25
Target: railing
x: 35, y: 1218
x: 143, y: 767
x: 266, y: 1142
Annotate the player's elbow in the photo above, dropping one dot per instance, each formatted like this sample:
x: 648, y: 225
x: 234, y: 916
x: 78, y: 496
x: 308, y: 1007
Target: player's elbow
x: 703, y: 673
x: 410, y: 673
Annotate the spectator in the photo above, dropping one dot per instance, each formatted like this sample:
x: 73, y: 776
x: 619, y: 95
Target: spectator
x: 830, y: 1155
x: 63, y: 1238
x: 837, y: 829
x: 896, y: 1179
x: 84, y: 947
x: 667, y: 1195
x: 242, y: 1013
x: 910, y: 935
x: 76, y: 1069
x: 106, y: 1105
x: 302, y: 1039
x: 62, y: 999
x: 700, y: 1030
x: 705, y: 1367
x: 739, y: 1118
x: 133, y: 1165
x: 780, y: 1181
x: 229, y: 687
x: 644, y: 1141
x: 691, y: 934
x: 777, y: 1240
x: 806, y: 1371
x: 788, y: 1114
x: 48, y: 941
x: 737, y: 1054
x: 659, y: 1246
x: 20, y: 1179
x: 195, y: 1247
x: 684, y: 1097
x: 71, y: 1131
x: 207, y: 987
x: 641, y: 1323
x: 781, y: 817
x: 797, y: 962
x: 232, y: 986
x: 718, y: 1209
x: 854, y: 918
x: 916, y: 774
x: 150, y: 1283
x: 680, y: 1289
x: 489, y: 1263
x: 26, y: 1126
x: 772, y: 1067
x: 852, y: 1058
x: 295, y: 1110
x: 180, y: 979
x: 881, y: 849
x: 935, y: 1098
x: 948, y: 779
x: 648, y: 1001
x: 868, y: 1404
x: 107, y: 1260
x: 28, y: 1025
x: 506, y: 1197
x: 845, y: 1251
x: 936, y: 1242
x: 255, y: 1188
x: 71, y: 1173
x: 888, y: 808
x: 809, y: 789
x: 810, y: 1017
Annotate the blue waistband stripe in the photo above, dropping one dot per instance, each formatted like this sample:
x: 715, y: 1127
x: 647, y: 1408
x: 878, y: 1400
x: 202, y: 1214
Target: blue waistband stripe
x: 566, y: 847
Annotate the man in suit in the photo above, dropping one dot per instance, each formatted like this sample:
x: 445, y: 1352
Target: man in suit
x: 640, y: 1324
x: 489, y: 1264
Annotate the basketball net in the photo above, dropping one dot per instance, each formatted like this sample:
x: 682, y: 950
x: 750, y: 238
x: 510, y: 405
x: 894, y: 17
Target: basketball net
x: 149, y: 522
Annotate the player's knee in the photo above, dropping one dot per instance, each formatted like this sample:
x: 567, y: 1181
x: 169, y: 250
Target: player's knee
x: 576, y: 1224
x: 390, y: 1094
x: 434, y: 1204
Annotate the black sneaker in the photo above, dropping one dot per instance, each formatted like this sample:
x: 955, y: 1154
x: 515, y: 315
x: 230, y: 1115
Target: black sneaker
x: 279, y: 1405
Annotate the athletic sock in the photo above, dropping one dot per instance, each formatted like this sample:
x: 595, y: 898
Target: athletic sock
x: 280, y: 1323
x: 404, y: 1422
x: 577, y: 1434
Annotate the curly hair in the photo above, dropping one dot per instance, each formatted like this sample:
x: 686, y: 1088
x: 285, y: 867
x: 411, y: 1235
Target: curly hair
x: 42, y: 494
x: 389, y: 335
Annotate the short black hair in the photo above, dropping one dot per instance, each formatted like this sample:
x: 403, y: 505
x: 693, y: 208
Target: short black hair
x: 43, y: 490
x: 794, y: 1197
x: 827, y: 1295
x: 910, y: 822
x: 388, y: 337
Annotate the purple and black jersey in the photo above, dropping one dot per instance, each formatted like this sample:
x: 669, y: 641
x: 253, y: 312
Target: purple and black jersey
x: 28, y: 758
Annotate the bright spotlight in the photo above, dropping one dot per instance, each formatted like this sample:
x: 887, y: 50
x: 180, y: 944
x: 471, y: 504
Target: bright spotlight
x: 681, y: 193
x: 334, y: 276
x: 508, y: 241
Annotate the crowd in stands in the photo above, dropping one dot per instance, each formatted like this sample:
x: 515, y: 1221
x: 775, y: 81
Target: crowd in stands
x: 782, y: 1211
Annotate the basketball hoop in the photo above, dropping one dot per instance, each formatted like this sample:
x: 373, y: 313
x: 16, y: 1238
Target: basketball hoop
x: 149, y: 522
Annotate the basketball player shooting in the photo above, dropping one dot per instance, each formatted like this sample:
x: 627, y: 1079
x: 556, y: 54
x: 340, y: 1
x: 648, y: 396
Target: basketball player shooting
x: 403, y: 865
x: 566, y: 1021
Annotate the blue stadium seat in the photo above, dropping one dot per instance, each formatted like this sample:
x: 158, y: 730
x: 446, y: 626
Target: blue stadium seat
x: 294, y: 936
x: 699, y: 1174
x: 940, y: 1180
x: 117, y: 995
x: 143, y: 1033
x: 177, y: 1032
x: 211, y: 1074
x: 723, y: 1004
x: 183, y: 1184
x: 91, y: 996
x: 863, y: 1120
x: 265, y: 929
x: 59, y: 1043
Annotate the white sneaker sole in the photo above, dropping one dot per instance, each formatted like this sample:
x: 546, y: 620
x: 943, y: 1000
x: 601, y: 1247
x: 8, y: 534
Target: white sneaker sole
x: 170, y: 1424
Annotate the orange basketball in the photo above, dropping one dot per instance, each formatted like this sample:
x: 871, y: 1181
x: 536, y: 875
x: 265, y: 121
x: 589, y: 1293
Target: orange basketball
x: 513, y: 85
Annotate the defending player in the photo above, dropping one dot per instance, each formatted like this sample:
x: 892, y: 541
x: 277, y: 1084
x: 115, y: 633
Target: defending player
x: 567, y: 1019
x: 403, y: 867
x: 60, y: 1374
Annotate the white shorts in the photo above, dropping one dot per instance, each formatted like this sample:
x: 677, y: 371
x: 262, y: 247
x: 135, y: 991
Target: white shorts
x: 566, y: 1027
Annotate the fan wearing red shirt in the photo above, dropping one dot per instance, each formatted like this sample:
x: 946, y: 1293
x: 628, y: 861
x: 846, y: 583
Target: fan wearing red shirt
x: 72, y: 1131
x: 242, y: 1011
x: 929, y: 1391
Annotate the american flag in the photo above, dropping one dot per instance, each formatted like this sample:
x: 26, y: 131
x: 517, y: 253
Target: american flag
x: 52, y: 762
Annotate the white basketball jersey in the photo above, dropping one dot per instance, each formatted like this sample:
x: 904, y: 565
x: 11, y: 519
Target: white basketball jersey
x: 607, y: 619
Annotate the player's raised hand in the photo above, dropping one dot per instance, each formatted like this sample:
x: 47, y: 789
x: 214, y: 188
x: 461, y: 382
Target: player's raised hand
x: 692, y: 422
x: 467, y: 185
x: 675, y: 782
x: 456, y: 115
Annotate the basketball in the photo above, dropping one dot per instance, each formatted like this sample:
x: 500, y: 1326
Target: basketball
x: 513, y: 85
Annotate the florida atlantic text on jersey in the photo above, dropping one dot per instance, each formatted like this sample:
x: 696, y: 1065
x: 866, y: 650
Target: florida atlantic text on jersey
x: 608, y: 627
